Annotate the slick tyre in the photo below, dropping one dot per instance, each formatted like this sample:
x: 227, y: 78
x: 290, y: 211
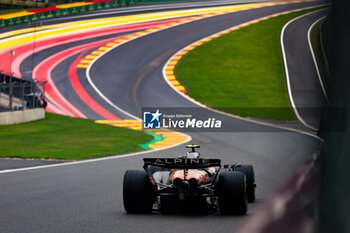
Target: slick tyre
x: 248, y: 171
x: 137, y: 192
x: 232, y: 193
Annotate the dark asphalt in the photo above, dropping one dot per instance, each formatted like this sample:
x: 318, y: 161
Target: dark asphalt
x: 306, y: 87
x: 6, y: 164
x: 87, y: 197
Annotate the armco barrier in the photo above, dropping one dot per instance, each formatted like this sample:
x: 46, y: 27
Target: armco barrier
x: 293, y: 209
x: 66, y: 9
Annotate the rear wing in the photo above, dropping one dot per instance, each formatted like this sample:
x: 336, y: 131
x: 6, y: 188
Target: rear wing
x: 182, y: 163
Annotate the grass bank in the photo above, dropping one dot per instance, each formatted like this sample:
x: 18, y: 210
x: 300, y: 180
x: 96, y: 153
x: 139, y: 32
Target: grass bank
x: 61, y: 137
x: 241, y: 72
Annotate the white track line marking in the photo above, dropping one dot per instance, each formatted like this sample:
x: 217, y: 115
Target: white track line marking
x: 227, y: 114
x: 287, y: 71
x: 103, y: 96
x: 105, y: 52
x: 189, y: 138
x: 313, y: 55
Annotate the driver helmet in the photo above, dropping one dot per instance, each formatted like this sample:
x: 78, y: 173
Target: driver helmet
x: 192, y: 155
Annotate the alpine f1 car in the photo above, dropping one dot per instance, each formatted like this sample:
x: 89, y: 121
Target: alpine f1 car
x: 189, y: 182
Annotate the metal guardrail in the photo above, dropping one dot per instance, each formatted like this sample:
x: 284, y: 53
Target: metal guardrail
x: 293, y: 208
x: 19, y: 93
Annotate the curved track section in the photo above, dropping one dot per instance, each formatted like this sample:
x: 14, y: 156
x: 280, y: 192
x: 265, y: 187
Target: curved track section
x: 86, y: 196
x: 305, y: 87
x: 39, y: 43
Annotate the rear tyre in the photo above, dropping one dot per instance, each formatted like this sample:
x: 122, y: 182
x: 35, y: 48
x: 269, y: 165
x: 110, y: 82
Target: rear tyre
x: 248, y: 171
x: 232, y: 193
x: 137, y: 192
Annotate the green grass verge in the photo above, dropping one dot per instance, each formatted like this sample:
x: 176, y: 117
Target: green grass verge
x: 241, y: 72
x: 61, y: 137
x: 316, y: 46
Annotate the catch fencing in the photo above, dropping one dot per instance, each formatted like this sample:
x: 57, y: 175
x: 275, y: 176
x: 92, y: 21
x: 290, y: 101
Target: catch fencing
x: 21, y: 93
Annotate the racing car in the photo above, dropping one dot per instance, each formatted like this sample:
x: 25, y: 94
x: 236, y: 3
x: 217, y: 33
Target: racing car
x: 189, y: 182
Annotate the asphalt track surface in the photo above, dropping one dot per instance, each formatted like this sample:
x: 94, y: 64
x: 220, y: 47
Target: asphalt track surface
x: 87, y: 197
x: 307, y: 90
